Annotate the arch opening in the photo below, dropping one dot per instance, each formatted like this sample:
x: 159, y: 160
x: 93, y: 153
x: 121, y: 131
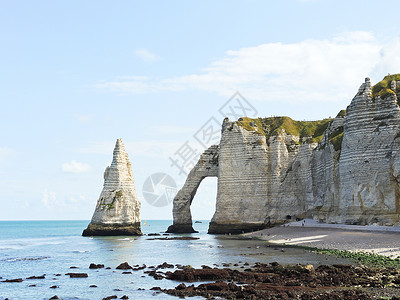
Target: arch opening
x: 203, y: 203
x: 206, y: 167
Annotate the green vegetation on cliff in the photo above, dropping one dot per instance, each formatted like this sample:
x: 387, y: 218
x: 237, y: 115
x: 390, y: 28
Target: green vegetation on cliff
x: 118, y: 195
x: 382, y: 88
x: 342, y: 113
x: 276, y: 125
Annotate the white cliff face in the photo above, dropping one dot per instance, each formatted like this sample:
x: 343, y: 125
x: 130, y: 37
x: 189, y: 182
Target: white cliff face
x: 260, y: 185
x: 369, y: 190
x: 351, y: 176
x: 118, y: 208
x: 325, y: 174
x: 242, y: 177
x: 291, y: 192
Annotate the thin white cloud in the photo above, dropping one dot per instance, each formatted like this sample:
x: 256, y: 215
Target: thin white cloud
x: 307, y: 71
x: 129, y: 84
x: 49, y: 198
x: 146, y: 55
x: 5, y: 153
x: 307, y: 1
x: 81, y: 118
x: 147, y: 148
x: 172, y: 129
x: 77, y: 199
x: 75, y: 167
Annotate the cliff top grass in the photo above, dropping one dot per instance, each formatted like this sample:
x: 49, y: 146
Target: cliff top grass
x: 275, y: 125
x: 382, y: 88
x: 341, y: 113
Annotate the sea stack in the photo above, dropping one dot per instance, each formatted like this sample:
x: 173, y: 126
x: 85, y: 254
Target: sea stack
x: 118, y: 208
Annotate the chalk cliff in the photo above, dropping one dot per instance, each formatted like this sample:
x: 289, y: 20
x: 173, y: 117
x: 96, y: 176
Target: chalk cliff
x: 367, y: 184
x: 118, y: 208
x: 341, y: 170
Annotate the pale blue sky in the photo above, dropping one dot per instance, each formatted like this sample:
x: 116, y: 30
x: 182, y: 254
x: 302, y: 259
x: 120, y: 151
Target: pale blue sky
x: 77, y: 75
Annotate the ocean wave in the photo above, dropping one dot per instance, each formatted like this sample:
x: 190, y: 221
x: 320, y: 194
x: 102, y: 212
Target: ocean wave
x: 9, y: 248
x: 31, y: 258
x: 18, y: 244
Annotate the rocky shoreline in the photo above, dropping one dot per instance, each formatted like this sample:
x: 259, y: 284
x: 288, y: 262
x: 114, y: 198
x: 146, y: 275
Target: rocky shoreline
x: 257, y: 281
x: 274, y: 281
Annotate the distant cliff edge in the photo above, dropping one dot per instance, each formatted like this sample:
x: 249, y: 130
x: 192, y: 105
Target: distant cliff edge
x: 274, y: 170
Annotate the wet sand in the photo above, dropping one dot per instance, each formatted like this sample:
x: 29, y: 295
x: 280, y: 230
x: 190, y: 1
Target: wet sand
x: 376, y: 239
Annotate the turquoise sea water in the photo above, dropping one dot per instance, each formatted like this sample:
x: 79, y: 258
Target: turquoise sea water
x: 34, y: 248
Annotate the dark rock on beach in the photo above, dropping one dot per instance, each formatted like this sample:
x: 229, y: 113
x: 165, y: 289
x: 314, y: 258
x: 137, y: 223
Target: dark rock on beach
x: 165, y: 265
x: 96, y: 266
x: 156, y: 275
x: 181, y: 228
x: 190, y: 275
x: 124, y: 266
x: 110, y: 297
x: 13, y: 280
x: 182, y: 286
x: 77, y: 275
x: 182, y: 238
x: 37, y: 277
x: 273, y: 281
x: 139, y: 268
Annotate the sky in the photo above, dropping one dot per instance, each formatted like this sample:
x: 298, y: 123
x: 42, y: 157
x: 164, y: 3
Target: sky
x: 77, y: 75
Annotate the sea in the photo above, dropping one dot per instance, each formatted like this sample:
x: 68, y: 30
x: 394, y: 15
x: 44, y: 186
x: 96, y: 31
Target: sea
x: 35, y: 248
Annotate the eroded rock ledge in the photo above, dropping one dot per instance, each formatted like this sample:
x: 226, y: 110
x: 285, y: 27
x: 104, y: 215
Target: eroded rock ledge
x: 112, y: 230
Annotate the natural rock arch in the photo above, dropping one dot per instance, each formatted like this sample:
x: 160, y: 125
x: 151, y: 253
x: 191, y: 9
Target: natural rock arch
x: 207, y: 166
